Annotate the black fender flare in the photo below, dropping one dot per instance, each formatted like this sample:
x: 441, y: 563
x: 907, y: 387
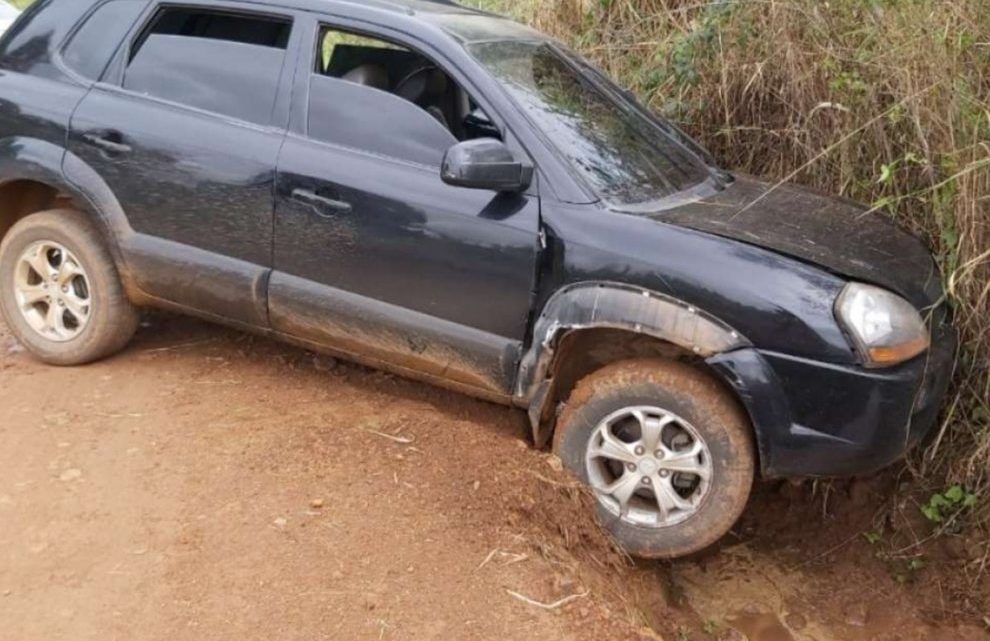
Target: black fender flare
x: 612, y: 305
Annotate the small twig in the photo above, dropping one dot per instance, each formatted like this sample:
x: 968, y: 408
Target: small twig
x: 904, y: 551
x: 171, y: 348
x: 549, y: 606
x: 568, y: 486
x: 828, y: 551
x: 513, y: 558
x: 491, y: 555
x: 403, y: 440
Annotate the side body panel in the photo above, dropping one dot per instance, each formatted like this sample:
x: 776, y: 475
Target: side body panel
x: 198, y: 195
x: 197, y: 188
x: 377, y: 257
x: 186, y: 176
x: 815, y: 410
x: 772, y: 301
x: 35, y: 108
x: 745, y: 295
x: 462, y: 255
x: 29, y: 46
x: 37, y: 96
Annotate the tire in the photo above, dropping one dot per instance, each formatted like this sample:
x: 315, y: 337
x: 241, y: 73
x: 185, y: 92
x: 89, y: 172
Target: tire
x: 695, y: 414
x: 109, y: 320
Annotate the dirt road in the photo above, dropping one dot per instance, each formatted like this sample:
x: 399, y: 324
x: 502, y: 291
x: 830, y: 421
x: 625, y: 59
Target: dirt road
x: 210, y: 485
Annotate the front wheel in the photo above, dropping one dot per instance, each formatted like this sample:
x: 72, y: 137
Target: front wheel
x: 667, y: 451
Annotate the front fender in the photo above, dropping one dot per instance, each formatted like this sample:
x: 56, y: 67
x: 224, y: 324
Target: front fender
x: 618, y: 306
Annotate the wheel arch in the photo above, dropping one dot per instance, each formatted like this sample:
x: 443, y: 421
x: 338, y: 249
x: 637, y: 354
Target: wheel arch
x: 36, y: 175
x: 587, y: 325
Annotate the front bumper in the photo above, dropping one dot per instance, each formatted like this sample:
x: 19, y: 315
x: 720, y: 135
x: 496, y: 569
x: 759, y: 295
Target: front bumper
x: 819, y: 419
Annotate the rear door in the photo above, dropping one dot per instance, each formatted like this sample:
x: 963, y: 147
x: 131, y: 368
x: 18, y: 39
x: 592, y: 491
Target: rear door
x: 374, y: 254
x: 185, y: 128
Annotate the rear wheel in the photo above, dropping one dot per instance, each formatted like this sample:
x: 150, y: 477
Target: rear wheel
x: 666, y: 450
x: 60, y: 293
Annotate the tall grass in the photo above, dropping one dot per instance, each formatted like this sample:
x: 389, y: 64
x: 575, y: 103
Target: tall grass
x: 884, y: 101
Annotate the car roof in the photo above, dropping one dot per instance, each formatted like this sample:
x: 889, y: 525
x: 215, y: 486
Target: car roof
x: 409, y: 7
x: 464, y: 24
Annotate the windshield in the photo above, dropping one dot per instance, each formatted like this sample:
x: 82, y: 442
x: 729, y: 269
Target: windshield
x: 624, y: 155
x: 7, y: 12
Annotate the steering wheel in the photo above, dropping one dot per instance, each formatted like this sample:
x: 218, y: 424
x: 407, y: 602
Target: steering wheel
x: 422, y: 95
x: 415, y: 74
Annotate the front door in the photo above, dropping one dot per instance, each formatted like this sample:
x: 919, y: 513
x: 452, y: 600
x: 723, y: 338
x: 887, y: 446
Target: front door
x: 376, y: 256
x: 187, y: 138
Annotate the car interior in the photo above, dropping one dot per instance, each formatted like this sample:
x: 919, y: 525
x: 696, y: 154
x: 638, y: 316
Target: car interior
x: 407, y: 74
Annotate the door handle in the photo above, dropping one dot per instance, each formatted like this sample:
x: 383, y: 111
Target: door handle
x: 321, y: 203
x: 104, y: 140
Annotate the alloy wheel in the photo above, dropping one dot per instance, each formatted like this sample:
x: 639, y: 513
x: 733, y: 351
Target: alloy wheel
x: 648, y: 466
x: 52, y: 291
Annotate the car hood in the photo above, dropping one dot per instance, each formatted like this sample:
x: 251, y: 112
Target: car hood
x: 834, y: 233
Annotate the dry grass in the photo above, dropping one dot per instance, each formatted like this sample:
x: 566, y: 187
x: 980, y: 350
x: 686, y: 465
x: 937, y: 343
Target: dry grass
x: 884, y: 101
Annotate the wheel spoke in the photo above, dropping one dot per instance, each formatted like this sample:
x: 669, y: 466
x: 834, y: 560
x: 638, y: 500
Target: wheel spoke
x: 38, y: 260
x: 67, y: 271
x: 652, y: 430
x: 77, y: 307
x: 686, y: 461
x: 54, y: 320
x: 623, y: 489
x: 31, y: 295
x: 667, y: 497
x: 613, y: 448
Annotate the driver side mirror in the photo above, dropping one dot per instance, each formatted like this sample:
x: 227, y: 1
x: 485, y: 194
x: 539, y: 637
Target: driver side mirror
x: 485, y: 163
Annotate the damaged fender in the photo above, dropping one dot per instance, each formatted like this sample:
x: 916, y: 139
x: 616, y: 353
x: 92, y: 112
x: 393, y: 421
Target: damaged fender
x: 611, y: 305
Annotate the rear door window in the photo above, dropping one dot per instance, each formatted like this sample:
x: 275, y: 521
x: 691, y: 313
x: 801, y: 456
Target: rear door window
x: 89, y: 49
x: 227, y: 63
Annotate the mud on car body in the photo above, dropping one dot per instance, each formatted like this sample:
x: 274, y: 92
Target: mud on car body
x: 452, y: 196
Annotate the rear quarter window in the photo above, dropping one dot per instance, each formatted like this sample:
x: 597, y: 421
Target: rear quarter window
x: 96, y: 39
x: 225, y: 63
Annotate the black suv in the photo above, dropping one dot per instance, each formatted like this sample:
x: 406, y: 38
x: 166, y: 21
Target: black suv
x: 452, y: 196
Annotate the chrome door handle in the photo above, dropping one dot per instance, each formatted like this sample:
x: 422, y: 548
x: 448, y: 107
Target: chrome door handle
x: 101, y: 141
x: 310, y: 197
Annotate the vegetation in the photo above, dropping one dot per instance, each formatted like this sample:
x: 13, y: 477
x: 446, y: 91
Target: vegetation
x: 884, y: 101
x: 944, y: 506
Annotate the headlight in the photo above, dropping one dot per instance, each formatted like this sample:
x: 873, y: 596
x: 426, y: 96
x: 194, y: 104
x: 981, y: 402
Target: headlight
x: 885, y: 328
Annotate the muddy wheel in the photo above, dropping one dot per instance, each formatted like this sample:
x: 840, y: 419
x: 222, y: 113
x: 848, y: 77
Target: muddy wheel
x: 667, y: 451
x: 59, y: 290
